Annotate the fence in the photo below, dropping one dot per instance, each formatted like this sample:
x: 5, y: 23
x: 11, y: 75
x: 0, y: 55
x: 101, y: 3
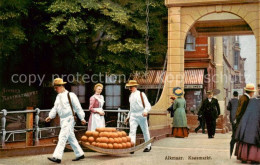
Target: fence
x: 34, y: 128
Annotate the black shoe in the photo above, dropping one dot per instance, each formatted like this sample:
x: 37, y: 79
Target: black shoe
x: 55, y: 160
x: 132, y: 152
x: 196, y: 131
x: 203, y: 132
x: 78, y: 158
x: 147, y: 149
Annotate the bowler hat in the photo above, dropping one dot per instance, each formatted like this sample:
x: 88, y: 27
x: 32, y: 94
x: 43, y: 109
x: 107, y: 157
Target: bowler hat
x: 209, y: 92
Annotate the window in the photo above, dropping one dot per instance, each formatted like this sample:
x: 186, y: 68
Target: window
x: 225, y: 46
x: 237, y: 79
x: 236, y: 56
x: 113, y: 96
x: 113, y: 93
x: 212, y: 49
x: 79, y: 90
x: 190, y: 42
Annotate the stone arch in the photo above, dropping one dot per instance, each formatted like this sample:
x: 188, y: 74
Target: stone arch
x: 248, y: 13
x: 180, y: 21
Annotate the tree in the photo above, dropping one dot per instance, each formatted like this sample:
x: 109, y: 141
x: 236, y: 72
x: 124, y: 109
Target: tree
x: 86, y: 35
x: 108, y: 35
x: 11, y: 29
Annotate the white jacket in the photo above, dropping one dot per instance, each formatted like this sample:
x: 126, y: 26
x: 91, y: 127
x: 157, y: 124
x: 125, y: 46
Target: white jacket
x: 136, y: 105
x: 62, y: 106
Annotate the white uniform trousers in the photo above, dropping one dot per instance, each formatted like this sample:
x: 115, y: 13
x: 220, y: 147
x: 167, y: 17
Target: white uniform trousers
x: 134, y: 121
x: 67, y: 134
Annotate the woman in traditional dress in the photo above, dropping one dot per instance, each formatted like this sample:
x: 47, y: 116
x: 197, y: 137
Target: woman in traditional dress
x: 248, y: 133
x: 96, y: 119
x: 179, y: 120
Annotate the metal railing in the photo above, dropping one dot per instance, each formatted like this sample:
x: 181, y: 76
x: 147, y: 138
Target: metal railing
x: 121, y: 116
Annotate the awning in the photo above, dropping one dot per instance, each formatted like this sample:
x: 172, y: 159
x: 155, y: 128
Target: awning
x: 152, y: 80
x: 194, y: 76
x: 193, y: 79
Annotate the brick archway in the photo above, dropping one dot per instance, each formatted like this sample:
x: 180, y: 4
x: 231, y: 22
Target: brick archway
x: 181, y: 17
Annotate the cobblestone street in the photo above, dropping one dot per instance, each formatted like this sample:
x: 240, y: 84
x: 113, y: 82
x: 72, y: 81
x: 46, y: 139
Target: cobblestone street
x: 166, y: 151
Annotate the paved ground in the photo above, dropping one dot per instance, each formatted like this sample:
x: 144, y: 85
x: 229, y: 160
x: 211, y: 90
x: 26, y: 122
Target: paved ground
x: 196, y: 145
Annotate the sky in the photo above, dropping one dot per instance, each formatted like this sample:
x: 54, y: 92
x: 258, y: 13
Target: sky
x: 248, y: 51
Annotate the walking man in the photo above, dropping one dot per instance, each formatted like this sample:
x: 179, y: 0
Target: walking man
x: 63, y: 105
x: 210, y: 110
x: 139, y: 108
x: 232, y: 107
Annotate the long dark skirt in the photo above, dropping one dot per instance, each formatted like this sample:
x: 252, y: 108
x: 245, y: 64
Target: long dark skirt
x: 180, y: 132
x: 247, y: 152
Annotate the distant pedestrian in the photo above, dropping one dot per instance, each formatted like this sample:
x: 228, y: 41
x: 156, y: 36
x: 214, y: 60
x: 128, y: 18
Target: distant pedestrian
x: 180, y: 128
x: 170, y: 109
x: 210, y: 110
x: 201, y: 122
x: 243, y: 102
x: 232, y: 107
x: 248, y: 133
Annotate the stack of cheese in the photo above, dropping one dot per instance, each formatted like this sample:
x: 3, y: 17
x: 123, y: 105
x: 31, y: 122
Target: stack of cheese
x: 108, y: 138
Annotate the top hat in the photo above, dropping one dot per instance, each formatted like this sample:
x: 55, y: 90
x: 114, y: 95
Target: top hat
x: 250, y: 87
x: 132, y: 83
x: 177, y: 91
x: 58, y: 81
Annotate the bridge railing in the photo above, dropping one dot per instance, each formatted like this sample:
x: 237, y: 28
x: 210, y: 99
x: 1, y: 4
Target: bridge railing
x: 34, y: 128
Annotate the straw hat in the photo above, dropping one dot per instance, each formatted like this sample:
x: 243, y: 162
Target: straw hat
x: 177, y: 91
x: 132, y: 83
x: 250, y: 87
x: 58, y: 81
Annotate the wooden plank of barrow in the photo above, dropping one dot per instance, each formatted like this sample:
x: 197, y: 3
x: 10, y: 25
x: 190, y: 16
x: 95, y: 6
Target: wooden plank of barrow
x: 117, y: 151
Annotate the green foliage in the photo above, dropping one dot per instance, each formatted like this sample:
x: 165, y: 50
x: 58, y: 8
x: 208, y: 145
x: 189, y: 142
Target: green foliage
x: 114, y: 29
x: 86, y: 35
x: 11, y: 31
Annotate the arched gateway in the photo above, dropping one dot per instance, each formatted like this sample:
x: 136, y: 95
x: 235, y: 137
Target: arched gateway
x: 182, y: 16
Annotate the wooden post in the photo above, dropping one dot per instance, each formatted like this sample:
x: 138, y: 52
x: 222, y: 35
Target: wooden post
x: 29, y: 125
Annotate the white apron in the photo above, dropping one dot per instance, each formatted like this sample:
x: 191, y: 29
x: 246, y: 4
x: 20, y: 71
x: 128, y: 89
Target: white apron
x: 97, y: 120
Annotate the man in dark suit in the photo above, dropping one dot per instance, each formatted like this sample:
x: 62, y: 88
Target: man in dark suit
x: 210, y: 110
x: 232, y: 107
